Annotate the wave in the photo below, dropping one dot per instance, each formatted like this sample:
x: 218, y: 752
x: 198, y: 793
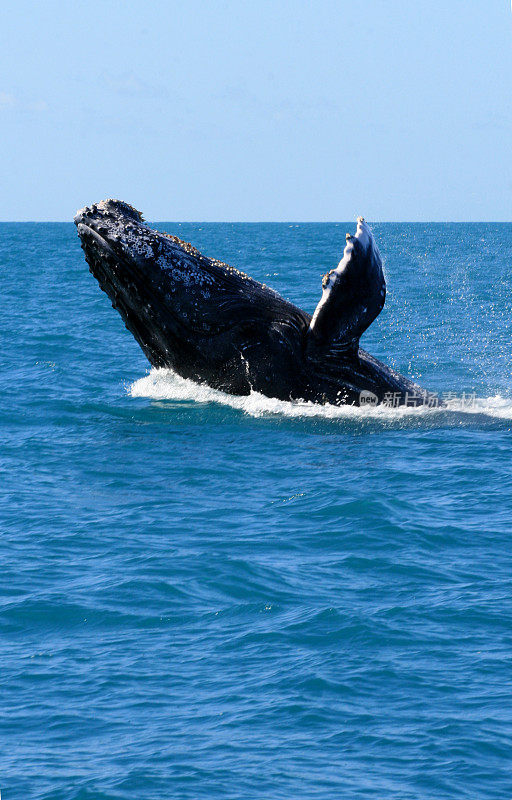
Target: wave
x: 164, y: 384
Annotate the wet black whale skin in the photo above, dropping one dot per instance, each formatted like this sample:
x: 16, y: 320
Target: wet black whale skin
x: 216, y: 325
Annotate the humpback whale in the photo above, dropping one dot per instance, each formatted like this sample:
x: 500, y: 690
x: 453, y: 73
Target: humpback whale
x: 216, y: 325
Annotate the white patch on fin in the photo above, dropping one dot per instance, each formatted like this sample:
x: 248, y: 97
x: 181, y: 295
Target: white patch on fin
x: 365, y: 237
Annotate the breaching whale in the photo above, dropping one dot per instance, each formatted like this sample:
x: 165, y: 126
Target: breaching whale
x: 216, y: 325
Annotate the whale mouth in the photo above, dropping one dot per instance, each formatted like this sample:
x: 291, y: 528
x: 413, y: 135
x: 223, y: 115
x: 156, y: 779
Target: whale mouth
x: 128, y: 287
x: 103, y: 262
x: 92, y: 237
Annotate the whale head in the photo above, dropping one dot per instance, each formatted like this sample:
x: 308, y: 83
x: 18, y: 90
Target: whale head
x: 187, y: 311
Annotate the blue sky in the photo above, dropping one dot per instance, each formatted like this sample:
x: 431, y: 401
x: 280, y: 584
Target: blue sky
x: 394, y: 109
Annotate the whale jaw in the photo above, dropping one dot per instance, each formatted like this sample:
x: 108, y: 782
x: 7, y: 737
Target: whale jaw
x: 129, y: 288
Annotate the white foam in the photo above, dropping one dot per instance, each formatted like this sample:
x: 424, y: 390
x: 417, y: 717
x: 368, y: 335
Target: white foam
x: 164, y: 384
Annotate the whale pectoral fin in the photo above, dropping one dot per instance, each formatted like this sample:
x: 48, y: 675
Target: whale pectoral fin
x: 353, y: 295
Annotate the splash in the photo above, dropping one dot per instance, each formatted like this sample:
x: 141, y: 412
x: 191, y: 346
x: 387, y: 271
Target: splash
x: 164, y: 384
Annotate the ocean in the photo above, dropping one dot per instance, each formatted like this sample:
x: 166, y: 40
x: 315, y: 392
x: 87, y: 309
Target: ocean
x: 205, y: 596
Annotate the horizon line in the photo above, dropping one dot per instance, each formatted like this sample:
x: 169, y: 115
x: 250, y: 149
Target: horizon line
x: 276, y: 222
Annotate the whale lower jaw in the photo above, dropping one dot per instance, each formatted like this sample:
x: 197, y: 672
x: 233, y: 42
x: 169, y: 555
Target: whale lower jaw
x: 120, y: 283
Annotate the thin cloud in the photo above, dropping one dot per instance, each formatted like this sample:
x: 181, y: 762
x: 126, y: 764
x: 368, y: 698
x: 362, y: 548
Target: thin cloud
x: 131, y: 85
x: 7, y: 99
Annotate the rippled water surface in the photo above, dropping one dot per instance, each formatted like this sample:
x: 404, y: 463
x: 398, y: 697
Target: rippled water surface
x: 214, y: 597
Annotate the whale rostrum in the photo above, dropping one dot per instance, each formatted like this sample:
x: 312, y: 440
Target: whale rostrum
x: 214, y: 324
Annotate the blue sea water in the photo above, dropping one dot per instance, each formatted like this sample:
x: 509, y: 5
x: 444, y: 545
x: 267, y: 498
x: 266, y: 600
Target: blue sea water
x: 213, y: 597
